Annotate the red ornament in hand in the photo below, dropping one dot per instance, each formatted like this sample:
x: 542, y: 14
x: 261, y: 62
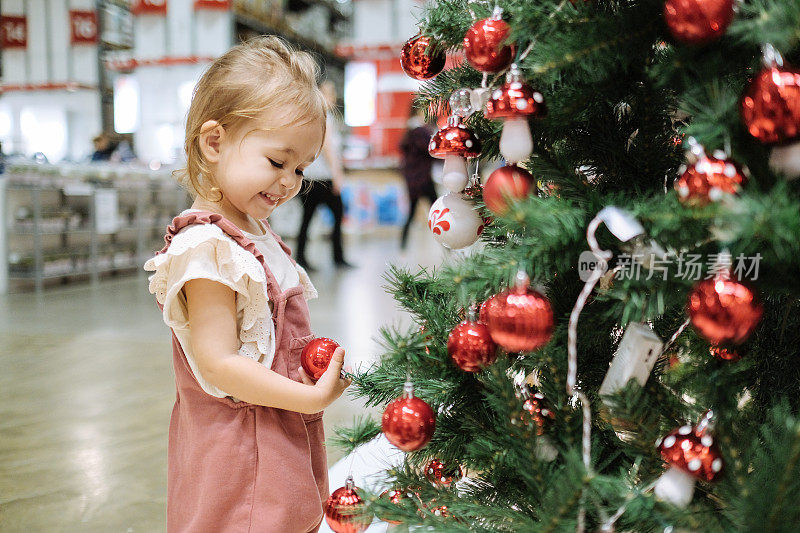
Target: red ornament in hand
x: 520, y: 319
x: 709, y: 179
x: 470, y: 345
x: 408, y: 422
x: 484, y: 44
x: 316, y: 356
x: 724, y: 310
x: 771, y: 106
x: 507, y: 182
x: 344, y: 510
x: 442, y: 474
x: 421, y: 59
x: 698, y: 21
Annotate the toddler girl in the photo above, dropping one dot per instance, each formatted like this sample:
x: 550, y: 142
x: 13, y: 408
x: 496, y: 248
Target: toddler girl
x: 246, y: 445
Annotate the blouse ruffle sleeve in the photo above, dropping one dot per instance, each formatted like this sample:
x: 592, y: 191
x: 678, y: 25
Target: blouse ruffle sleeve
x: 206, y: 252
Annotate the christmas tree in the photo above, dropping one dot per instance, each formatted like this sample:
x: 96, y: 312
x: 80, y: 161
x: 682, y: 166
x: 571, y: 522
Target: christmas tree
x: 636, y: 364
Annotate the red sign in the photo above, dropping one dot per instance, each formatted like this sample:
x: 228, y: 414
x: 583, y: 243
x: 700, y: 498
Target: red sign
x: 149, y: 7
x: 221, y: 5
x: 83, y: 26
x: 13, y: 32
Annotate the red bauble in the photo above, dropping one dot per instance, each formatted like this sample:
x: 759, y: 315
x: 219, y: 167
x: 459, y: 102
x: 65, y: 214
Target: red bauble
x: 692, y: 452
x: 484, y: 45
x: 519, y: 319
x: 441, y: 474
x: 344, y: 510
x: 316, y: 356
x: 514, y: 100
x: 471, y: 346
x: 724, y: 354
x: 507, y: 182
x: 771, y: 106
x: 421, y: 59
x: 408, y: 422
x: 708, y: 180
x: 724, y: 310
x: 698, y: 21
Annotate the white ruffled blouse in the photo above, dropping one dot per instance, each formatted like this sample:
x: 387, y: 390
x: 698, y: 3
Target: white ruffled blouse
x: 204, y: 251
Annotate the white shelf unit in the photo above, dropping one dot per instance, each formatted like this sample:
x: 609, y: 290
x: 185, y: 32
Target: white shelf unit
x: 70, y: 223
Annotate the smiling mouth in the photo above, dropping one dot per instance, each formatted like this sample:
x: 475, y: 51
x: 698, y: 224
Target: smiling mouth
x: 271, y: 198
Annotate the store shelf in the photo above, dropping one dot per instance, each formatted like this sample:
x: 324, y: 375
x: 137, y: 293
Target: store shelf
x: 72, y: 222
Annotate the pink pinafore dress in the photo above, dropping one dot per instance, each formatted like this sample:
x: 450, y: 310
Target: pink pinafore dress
x: 239, y: 467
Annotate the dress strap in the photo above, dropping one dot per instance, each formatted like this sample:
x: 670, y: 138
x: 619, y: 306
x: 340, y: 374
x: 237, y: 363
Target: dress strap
x: 277, y: 237
x: 232, y: 231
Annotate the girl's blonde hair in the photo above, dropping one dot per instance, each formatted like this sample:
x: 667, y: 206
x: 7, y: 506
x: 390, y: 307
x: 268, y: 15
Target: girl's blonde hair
x: 261, y: 74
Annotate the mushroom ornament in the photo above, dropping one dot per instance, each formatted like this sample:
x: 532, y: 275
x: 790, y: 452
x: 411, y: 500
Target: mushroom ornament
x: 515, y: 102
x: 692, y: 454
x: 454, y: 143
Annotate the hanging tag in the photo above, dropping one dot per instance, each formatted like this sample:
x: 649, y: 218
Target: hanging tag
x: 634, y: 358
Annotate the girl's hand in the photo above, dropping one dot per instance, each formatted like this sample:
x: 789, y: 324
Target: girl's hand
x: 331, y: 385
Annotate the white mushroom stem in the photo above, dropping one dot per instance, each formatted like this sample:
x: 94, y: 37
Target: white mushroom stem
x: 675, y: 486
x: 516, y: 143
x: 454, y: 175
x: 786, y: 160
x: 545, y: 451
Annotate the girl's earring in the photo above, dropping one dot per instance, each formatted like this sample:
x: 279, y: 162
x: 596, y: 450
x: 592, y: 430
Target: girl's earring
x: 217, y: 192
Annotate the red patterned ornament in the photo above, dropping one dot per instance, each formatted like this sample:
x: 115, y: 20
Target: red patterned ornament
x: 316, y: 356
x: 724, y: 354
x: 520, y: 319
x: 710, y: 179
x: 345, y: 510
x: 396, y: 496
x: 692, y: 454
x: 441, y: 474
x: 535, y: 408
x: 698, y: 22
x: 724, y: 310
x: 408, y: 422
x: 507, y: 182
x: 484, y: 44
x: 421, y: 59
x: 470, y: 345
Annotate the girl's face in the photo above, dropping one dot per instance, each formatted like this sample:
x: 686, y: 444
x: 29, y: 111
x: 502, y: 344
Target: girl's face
x: 258, y: 169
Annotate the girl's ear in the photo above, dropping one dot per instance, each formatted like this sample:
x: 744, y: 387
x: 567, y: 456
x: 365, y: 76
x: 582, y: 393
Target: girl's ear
x: 211, y: 136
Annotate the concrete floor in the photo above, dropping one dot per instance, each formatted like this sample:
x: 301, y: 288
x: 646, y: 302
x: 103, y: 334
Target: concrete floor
x: 86, y: 388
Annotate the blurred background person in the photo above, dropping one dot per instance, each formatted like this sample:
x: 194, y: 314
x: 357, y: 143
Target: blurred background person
x: 415, y: 165
x: 103, y: 147
x: 324, y: 179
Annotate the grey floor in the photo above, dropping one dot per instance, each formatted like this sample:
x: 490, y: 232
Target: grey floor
x: 86, y: 388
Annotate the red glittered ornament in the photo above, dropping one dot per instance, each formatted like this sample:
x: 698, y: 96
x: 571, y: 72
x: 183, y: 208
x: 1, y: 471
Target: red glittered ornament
x: 441, y: 474
x: 484, y: 44
x: 345, y: 510
x: 698, y: 21
x: 709, y: 179
x: 771, y: 106
x: 471, y: 346
x: 421, y: 59
x: 520, y: 319
x: 507, y: 182
x: 454, y: 139
x: 316, y: 356
x: 408, y: 422
x: 724, y: 354
x: 724, y: 310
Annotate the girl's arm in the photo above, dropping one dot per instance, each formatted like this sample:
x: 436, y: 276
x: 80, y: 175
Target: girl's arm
x: 215, y: 342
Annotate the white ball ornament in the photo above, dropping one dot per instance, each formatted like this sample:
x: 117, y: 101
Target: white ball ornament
x: 454, y: 222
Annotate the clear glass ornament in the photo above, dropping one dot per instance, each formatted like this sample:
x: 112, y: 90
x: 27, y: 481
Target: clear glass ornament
x: 461, y: 102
